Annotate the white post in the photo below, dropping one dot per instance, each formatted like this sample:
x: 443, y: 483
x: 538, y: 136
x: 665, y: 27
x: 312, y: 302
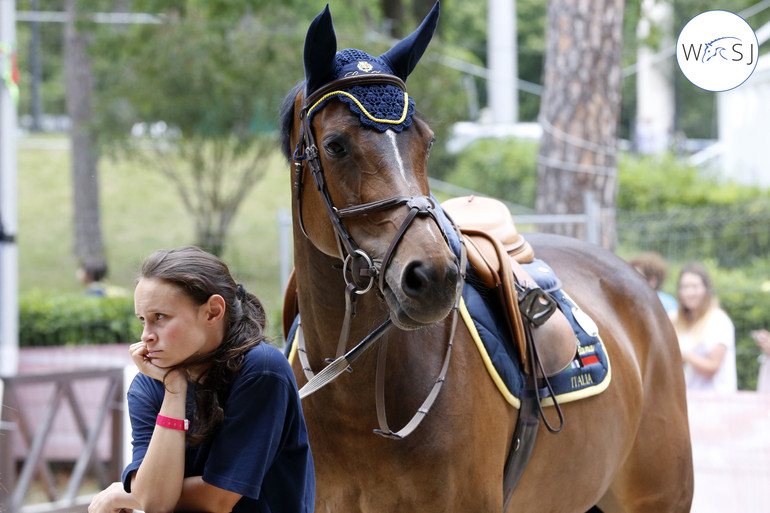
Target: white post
x: 9, y: 288
x: 655, y: 104
x: 502, y: 84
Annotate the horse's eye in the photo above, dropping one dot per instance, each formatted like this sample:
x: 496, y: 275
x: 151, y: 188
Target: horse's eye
x: 335, y: 147
x: 430, y: 146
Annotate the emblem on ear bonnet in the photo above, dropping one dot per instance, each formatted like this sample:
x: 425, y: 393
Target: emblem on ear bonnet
x: 380, y: 106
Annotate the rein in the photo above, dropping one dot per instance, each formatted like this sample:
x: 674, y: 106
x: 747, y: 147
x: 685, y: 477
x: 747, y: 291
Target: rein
x: 359, y: 270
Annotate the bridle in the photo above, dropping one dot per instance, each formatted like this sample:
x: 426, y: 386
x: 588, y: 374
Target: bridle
x: 362, y: 266
x: 361, y: 271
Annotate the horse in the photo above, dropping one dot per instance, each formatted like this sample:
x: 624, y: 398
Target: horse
x: 373, y: 262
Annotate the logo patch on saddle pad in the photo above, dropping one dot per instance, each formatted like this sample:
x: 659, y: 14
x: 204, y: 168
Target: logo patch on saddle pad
x: 589, y: 373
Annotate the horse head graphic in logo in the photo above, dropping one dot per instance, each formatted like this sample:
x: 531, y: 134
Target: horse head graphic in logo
x: 716, y: 47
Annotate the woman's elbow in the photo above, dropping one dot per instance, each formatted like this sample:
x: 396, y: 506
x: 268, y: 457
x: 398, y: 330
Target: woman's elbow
x: 155, y: 503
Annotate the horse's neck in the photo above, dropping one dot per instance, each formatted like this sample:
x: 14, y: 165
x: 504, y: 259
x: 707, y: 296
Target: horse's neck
x: 321, y: 295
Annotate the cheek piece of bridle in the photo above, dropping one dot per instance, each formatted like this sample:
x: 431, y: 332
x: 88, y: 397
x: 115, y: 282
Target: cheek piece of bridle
x: 360, y: 271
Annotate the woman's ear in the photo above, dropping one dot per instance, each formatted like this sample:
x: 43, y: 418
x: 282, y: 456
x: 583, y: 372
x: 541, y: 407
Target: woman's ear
x: 215, y: 309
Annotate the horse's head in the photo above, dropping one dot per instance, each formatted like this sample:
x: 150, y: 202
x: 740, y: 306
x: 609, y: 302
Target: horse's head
x: 710, y: 51
x: 716, y: 48
x: 361, y: 189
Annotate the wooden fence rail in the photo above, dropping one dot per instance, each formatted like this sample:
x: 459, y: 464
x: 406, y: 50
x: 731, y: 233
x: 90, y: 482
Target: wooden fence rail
x: 95, y: 400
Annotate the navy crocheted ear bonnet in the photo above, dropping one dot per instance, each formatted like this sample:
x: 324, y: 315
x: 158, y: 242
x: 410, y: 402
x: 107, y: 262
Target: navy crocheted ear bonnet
x: 379, y: 106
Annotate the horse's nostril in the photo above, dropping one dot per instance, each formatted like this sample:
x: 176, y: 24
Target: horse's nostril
x: 417, y: 278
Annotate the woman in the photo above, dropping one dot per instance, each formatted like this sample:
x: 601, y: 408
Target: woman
x: 706, y: 334
x: 216, y: 419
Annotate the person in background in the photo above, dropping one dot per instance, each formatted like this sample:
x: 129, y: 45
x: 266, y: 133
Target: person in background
x: 706, y: 333
x: 91, y: 273
x: 216, y: 418
x: 762, y: 338
x: 653, y: 267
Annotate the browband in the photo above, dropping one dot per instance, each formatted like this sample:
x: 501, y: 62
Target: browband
x: 348, y: 82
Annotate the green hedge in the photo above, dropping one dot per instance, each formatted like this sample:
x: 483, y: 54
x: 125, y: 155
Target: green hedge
x: 50, y: 319
x: 503, y: 168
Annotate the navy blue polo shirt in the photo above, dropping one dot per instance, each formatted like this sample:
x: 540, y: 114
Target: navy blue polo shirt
x: 261, y: 451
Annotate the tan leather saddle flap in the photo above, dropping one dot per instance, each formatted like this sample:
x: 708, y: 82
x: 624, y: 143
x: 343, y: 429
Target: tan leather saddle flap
x: 490, y: 216
x: 491, y: 264
x: 555, y: 340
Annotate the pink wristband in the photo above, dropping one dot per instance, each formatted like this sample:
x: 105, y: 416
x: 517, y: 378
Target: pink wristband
x: 168, y: 422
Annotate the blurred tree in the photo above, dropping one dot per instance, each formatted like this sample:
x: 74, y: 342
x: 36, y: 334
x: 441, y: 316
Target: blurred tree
x: 580, y: 111
x: 79, y: 79
x: 196, y: 97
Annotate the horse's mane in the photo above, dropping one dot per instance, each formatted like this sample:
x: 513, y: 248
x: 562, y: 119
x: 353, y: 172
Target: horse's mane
x: 286, y: 119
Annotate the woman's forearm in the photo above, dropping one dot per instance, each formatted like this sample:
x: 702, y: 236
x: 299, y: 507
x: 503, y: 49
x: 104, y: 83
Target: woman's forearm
x: 709, y: 364
x: 157, y: 484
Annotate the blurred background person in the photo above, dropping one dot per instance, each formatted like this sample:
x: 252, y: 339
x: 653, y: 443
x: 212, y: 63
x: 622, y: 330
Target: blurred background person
x: 92, y: 274
x: 654, y: 269
x: 706, y: 333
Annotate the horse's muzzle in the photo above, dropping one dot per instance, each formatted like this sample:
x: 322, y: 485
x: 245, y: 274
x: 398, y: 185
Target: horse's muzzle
x: 420, y: 293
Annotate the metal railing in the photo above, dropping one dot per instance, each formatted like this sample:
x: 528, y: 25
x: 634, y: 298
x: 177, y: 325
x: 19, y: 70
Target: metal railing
x: 17, y: 480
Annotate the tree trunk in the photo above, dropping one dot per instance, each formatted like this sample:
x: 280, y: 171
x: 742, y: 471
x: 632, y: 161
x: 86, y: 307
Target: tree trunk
x: 580, y: 111
x: 393, y: 10
x: 79, y: 80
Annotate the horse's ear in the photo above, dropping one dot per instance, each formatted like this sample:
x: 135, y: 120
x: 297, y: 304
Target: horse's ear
x: 403, y: 57
x: 320, y: 49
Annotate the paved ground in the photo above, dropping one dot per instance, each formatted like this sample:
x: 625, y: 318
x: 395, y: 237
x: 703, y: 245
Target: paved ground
x: 731, y: 452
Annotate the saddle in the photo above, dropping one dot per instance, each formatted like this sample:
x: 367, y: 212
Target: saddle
x: 496, y: 251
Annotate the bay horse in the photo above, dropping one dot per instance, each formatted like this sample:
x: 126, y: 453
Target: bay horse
x: 371, y: 256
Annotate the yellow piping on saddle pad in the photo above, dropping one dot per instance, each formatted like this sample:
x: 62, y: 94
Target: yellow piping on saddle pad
x: 363, y: 109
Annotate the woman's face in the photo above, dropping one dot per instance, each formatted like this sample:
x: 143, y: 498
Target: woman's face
x: 692, y: 291
x: 174, y: 327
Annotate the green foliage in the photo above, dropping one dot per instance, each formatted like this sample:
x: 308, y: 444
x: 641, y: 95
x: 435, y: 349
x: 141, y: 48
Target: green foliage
x: 668, y: 206
x: 50, y: 59
x: 200, y: 78
x: 659, y: 183
x: 503, y: 168
x: 47, y: 319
